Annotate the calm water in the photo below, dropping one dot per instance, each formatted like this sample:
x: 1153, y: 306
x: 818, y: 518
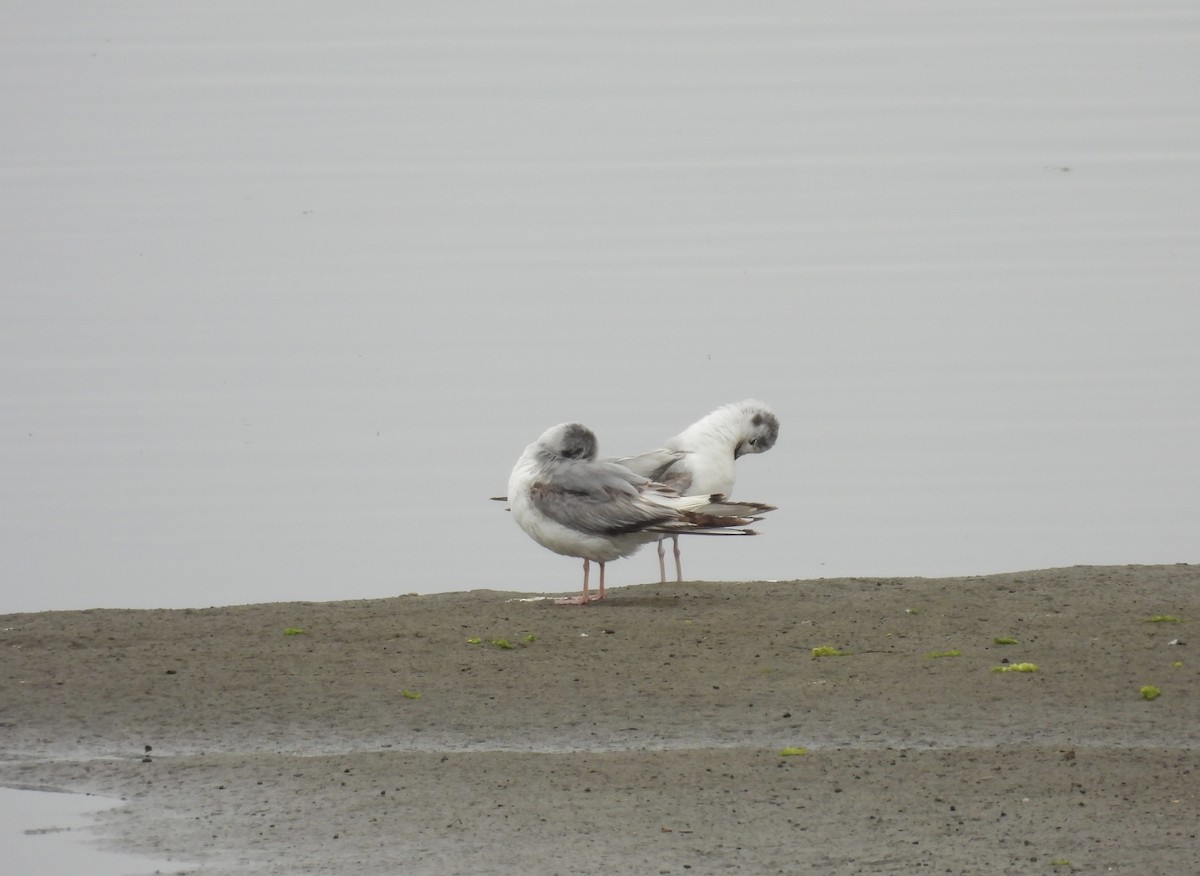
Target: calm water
x: 286, y: 290
x: 52, y: 834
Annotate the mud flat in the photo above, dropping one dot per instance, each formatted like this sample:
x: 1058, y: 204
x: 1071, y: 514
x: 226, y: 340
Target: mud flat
x: 686, y: 728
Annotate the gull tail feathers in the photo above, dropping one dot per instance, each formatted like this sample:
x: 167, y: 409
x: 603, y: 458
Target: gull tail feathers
x: 719, y: 529
x: 693, y: 521
x: 705, y: 519
x: 718, y: 504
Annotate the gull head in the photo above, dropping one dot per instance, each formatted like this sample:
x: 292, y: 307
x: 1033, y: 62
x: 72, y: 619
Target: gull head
x: 760, y: 431
x: 569, y: 441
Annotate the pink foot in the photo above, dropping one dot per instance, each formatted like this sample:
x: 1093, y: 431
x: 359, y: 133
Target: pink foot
x: 584, y: 598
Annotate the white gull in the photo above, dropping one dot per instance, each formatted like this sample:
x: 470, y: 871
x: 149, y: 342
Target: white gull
x: 571, y: 503
x: 700, y: 459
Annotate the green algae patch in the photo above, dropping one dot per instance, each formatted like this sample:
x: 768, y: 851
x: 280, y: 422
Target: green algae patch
x: 1016, y: 667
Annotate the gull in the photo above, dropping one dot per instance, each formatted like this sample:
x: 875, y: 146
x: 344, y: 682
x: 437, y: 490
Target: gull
x: 573, y: 504
x: 700, y: 459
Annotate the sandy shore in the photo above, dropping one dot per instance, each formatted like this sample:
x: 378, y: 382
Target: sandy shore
x: 642, y: 735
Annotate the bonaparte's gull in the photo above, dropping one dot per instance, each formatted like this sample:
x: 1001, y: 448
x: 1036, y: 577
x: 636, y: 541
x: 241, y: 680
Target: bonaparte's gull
x: 571, y: 503
x: 700, y: 459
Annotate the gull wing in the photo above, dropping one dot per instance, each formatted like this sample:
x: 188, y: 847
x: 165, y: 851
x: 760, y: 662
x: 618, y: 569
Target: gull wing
x: 598, y: 499
x: 664, y: 465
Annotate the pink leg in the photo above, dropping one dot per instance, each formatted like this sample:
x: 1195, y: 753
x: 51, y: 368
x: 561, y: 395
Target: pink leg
x: 600, y: 595
x: 583, y: 599
x: 662, y: 566
x: 678, y: 564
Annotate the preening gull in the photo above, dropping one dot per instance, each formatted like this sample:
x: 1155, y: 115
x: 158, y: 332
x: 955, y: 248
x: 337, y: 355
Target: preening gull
x: 700, y: 459
x: 571, y: 503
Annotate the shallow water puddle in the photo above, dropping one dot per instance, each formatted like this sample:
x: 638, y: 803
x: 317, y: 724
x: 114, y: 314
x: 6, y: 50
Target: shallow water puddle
x: 53, y: 833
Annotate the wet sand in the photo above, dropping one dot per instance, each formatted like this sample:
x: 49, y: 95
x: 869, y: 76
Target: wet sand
x: 490, y: 732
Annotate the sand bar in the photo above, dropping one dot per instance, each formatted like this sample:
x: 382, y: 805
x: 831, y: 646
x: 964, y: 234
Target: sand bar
x: 484, y: 732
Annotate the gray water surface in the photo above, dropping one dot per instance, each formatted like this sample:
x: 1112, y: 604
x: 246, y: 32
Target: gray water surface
x: 286, y: 293
x: 52, y: 834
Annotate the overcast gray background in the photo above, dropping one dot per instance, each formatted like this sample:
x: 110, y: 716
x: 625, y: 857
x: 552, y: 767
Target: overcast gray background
x: 287, y: 287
